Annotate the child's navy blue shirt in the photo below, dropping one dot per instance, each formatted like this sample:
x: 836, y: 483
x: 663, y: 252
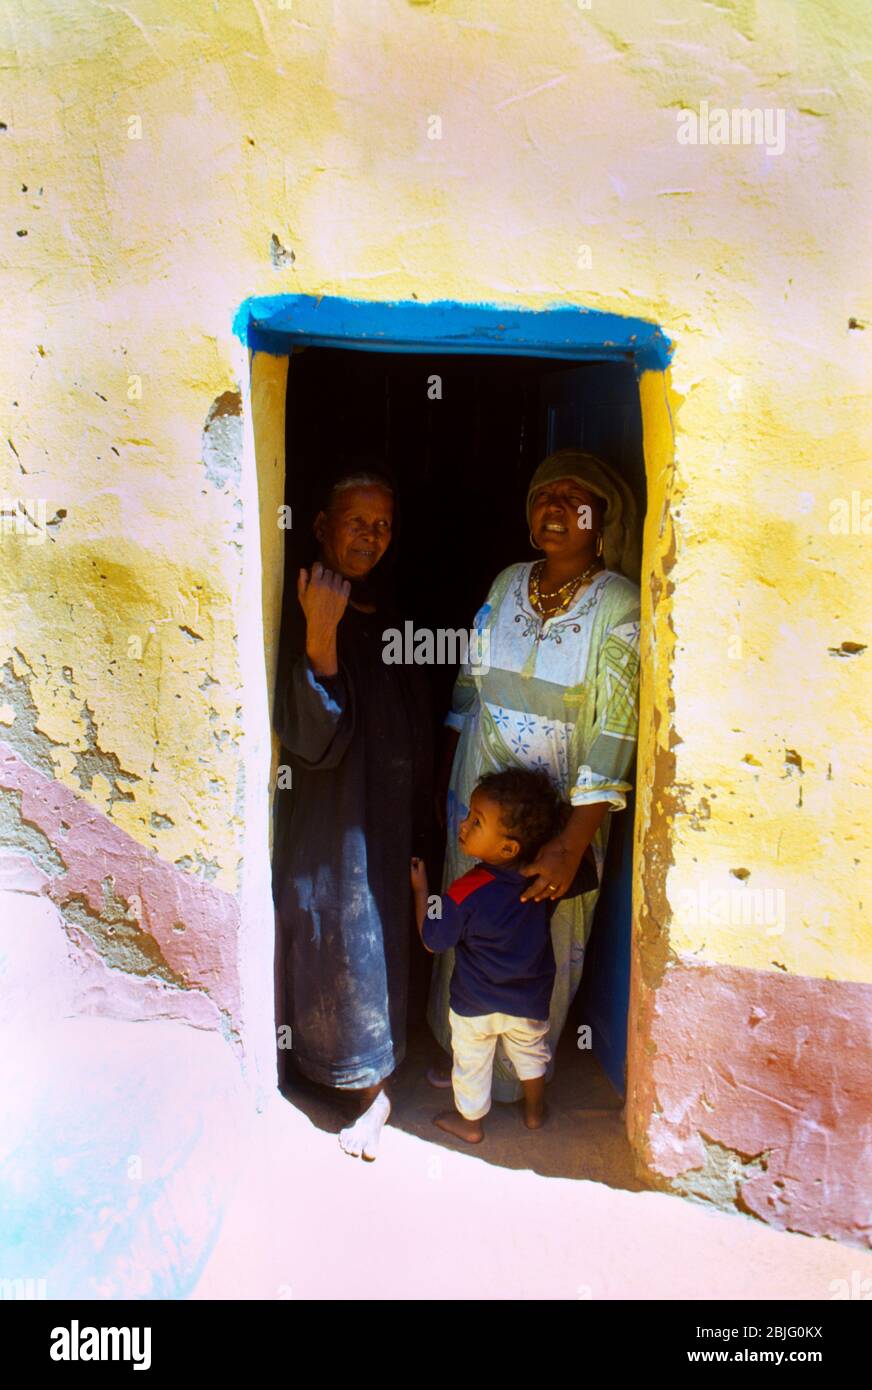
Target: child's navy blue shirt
x: 504, y: 961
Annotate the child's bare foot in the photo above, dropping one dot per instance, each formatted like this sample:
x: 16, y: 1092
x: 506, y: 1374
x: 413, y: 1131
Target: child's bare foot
x: 455, y: 1124
x: 535, y: 1111
x: 535, y: 1116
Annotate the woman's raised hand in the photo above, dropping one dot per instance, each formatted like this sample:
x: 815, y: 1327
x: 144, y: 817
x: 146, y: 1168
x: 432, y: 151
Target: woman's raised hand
x: 323, y: 598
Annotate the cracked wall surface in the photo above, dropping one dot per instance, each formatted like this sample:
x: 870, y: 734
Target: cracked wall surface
x: 155, y: 941
x: 254, y: 154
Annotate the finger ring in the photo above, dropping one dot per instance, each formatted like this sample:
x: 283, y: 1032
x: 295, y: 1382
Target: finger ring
x: 553, y: 887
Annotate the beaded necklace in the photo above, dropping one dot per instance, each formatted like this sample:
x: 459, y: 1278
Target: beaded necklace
x: 564, y: 594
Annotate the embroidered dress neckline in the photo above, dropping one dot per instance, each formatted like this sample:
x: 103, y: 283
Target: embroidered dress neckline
x: 567, y: 612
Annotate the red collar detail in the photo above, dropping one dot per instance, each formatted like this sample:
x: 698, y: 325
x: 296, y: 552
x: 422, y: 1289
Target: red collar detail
x: 462, y: 887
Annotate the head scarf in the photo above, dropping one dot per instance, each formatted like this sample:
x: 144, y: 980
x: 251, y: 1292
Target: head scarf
x: 621, y: 524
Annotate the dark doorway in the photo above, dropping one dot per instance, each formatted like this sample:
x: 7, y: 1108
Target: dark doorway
x: 463, y: 434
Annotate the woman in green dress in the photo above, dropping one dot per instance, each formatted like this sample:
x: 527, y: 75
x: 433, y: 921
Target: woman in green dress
x: 556, y: 687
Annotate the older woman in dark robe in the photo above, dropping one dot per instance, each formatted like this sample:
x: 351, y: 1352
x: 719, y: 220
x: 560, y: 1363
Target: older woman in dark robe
x: 358, y: 734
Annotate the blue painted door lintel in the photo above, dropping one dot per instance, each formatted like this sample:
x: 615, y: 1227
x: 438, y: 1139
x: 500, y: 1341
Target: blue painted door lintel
x: 276, y: 323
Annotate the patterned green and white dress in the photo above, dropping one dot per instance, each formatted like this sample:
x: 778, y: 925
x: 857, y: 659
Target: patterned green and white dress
x: 560, y: 694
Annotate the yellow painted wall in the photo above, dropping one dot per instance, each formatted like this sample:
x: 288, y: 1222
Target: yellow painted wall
x: 309, y: 122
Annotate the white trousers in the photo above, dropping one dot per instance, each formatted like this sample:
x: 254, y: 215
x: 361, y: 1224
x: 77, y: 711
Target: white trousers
x: 474, y: 1041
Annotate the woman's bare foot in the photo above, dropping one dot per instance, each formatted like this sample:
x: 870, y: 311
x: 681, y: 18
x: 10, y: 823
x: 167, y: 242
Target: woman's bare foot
x: 455, y: 1124
x: 360, y: 1140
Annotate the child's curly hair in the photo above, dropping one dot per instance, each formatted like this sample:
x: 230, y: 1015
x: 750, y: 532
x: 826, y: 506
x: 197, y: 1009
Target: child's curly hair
x: 531, y: 811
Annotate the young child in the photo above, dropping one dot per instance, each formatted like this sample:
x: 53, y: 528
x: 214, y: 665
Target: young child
x: 504, y: 962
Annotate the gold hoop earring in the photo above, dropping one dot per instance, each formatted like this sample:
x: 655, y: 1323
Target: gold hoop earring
x: 533, y: 543
x: 599, y: 543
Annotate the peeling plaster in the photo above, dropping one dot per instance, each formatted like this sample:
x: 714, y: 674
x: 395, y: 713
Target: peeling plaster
x: 18, y: 832
x: 125, y: 904
x: 94, y: 762
x: 23, y: 733
x: 721, y: 1177
x: 222, y: 440
x: 279, y: 256
x: 117, y: 934
x: 206, y: 868
x: 736, y: 1101
x: 41, y: 751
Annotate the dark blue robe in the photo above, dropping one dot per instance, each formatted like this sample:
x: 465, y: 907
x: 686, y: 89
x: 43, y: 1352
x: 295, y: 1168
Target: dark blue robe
x: 360, y: 748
